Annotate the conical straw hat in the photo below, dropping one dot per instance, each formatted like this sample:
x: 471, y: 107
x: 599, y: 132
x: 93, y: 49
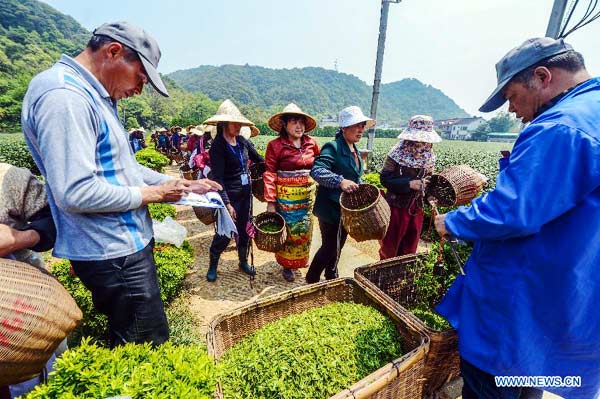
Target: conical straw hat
x: 276, y: 123
x: 228, y: 112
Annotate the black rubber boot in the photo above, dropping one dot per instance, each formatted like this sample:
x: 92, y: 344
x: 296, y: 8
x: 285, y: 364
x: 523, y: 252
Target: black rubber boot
x: 212, y: 268
x: 243, y: 257
x: 246, y: 268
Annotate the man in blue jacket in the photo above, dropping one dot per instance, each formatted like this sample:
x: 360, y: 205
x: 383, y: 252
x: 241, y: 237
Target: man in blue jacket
x: 528, y: 304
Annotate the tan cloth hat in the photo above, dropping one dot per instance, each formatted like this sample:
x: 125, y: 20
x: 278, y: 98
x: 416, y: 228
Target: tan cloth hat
x: 276, y: 123
x: 228, y: 112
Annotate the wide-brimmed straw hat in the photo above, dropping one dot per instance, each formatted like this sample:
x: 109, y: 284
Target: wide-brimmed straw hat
x: 137, y: 129
x: 199, y: 130
x: 352, y: 115
x: 175, y: 128
x: 276, y: 123
x: 420, y: 128
x: 228, y: 112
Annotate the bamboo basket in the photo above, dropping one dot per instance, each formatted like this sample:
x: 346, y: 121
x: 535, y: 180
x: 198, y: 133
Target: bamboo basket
x: 205, y: 215
x: 395, y: 282
x: 365, y: 213
x: 267, y: 240
x: 258, y: 185
x: 455, y: 185
x: 36, y: 314
x: 400, y: 379
x: 188, y: 173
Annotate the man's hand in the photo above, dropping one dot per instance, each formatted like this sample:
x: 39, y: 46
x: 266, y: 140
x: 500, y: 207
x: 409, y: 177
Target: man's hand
x: 440, y: 225
x: 231, y: 211
x: 203, y: 186
x: 12, y: 240
x: 170, y: 191
x: 348, y: 186
x: 271, y: 207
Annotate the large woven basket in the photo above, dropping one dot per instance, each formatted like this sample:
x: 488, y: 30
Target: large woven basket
x: 270, y: 241
x: 205, y: 215
x: 455, y: 185
x: 258, y: 185
x: 365, y: 213
x: 394, y: 280
x: 400, y: 379
x: 36, y: 314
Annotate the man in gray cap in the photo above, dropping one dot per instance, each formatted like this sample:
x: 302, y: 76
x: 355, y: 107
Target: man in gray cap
x: 96, y: 189
x: 528, y: 304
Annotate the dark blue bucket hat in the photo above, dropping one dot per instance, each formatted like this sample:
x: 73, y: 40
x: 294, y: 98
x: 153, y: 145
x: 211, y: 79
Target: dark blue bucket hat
x: 527, y: 54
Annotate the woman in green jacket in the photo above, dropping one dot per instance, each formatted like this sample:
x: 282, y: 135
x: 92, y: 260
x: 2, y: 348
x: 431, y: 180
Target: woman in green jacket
x: 337, y: 168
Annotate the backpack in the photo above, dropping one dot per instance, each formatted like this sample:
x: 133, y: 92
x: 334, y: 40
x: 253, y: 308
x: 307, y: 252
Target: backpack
x: 202, y: 157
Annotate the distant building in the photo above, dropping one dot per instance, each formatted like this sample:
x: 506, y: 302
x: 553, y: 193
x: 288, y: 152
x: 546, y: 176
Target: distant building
x: 444, y: 126
x: 328, y: 121
x: 502, y: 137
x: 464, y: 128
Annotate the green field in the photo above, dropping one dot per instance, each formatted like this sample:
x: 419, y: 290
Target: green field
x: 481, y: 156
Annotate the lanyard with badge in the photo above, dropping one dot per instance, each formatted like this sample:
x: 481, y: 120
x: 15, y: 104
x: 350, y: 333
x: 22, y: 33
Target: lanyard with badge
x: 244, y: 176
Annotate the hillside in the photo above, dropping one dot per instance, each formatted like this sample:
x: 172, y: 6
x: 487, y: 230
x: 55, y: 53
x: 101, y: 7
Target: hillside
x: 32, y: 37
x: 319, y: 91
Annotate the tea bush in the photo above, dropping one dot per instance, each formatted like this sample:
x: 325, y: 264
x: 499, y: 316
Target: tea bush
x: 159, y: 211
x: 138, y: 371
x: 152, y: 159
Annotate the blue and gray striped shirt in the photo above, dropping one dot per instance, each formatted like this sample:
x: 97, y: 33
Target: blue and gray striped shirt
x: 92, y: 178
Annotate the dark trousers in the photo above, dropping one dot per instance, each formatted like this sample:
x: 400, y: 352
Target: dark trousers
x: 333, y: 238
x: 480, y: 385
x: 241, y: 204
x: 126, y: 290
x: 402, y: 237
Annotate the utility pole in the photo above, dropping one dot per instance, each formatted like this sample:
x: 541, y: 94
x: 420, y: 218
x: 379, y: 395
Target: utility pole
x: 556, y: 18
x: 385, y: 5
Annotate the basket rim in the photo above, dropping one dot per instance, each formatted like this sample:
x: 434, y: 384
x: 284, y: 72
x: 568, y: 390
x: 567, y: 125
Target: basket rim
x: 296, y: 292
x: 419, y: 353
x: 363, y: 209
x: 269, y: 232
x: 391, y: 262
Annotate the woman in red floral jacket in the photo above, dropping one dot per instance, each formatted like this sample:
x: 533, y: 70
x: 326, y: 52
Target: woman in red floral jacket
x: 289, y: 189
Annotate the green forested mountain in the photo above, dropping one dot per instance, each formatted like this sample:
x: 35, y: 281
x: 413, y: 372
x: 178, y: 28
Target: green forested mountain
x: 319, y: 91
x: 32, y: 37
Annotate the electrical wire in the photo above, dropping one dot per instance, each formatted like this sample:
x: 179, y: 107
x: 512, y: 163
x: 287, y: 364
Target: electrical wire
x: 587, y: 18
x: 568, y: 18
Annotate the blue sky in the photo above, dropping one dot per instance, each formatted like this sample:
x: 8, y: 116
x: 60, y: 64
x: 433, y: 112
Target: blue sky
x: 450, y: 44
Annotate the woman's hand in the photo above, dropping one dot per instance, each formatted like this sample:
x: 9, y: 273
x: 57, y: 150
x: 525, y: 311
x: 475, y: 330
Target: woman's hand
x: 231, y: 211
x: 271, y: 207
x: 202, y: 186
x: 419, y: 185
x: 348, y: 186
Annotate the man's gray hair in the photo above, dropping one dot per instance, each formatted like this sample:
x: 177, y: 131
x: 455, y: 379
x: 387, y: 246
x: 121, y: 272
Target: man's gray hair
x: 571, y: 61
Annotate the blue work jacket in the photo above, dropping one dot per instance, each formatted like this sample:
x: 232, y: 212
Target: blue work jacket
x: 529, y: 303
